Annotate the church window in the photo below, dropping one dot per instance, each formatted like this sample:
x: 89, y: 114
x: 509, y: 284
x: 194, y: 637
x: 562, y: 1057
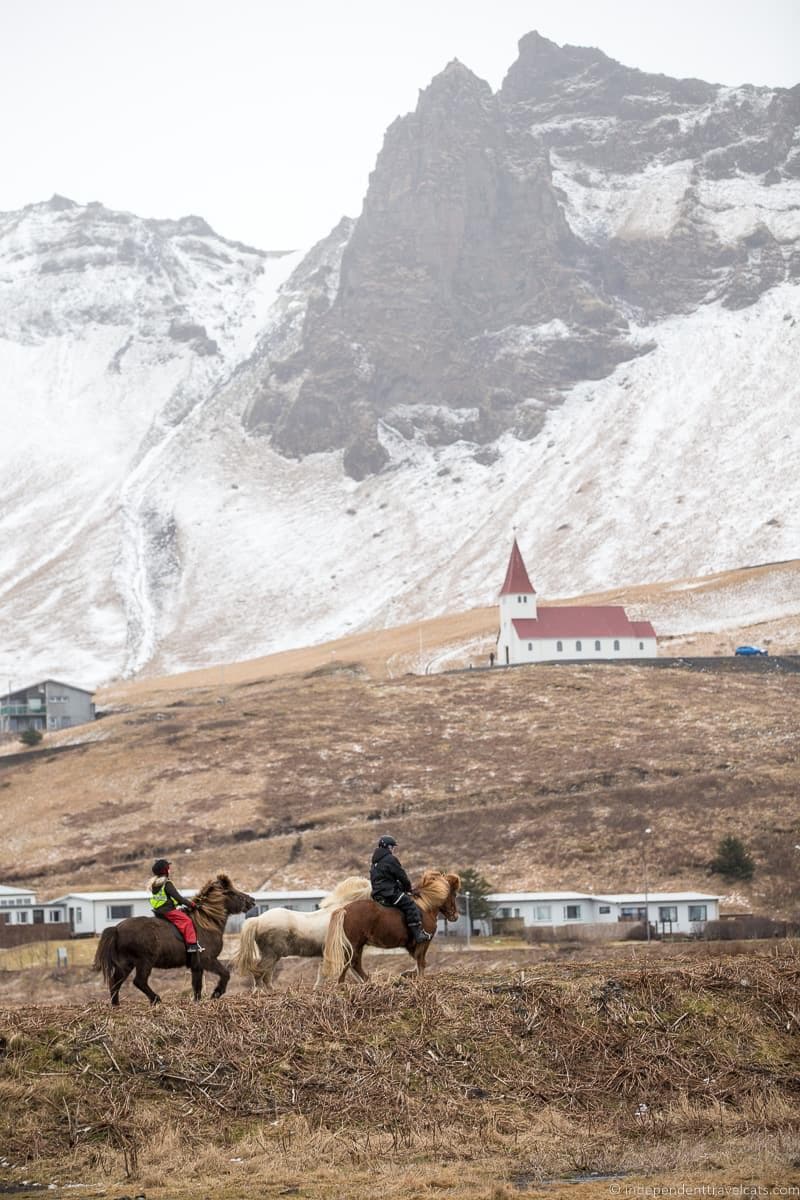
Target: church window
x: 530, y: 645
x: 579, y: 645
x: 641, y: 645
x: 616, y: 643
x: 559, y: 646
x: 597, y: 645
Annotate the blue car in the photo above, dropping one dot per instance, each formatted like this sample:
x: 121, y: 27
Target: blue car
x: 750, y: 650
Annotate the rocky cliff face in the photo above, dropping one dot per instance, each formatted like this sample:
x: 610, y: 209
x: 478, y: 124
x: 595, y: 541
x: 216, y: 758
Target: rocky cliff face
x: 507, y: 241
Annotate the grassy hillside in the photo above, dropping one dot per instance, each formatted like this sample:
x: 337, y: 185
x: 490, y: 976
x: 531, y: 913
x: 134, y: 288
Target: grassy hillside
x: 540, y: 777
x: 468, y: 1084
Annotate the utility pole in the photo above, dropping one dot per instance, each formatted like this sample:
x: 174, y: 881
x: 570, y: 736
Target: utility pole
x: 469, y: 920
x: 647, y: 832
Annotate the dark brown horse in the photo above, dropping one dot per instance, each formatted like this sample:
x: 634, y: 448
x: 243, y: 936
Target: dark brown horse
x: 142, y: 943
x: 366, y: 923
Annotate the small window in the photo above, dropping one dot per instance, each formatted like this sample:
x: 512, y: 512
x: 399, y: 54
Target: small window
x: 572, y: 912
x: 530, y: 645
x: 519, y: 599
x: 559, y: 647
x: 668, y: 913
x: 524, y: 599
x: 78, y: 914
x: 604, y: 908
x: 542, y: 912
x: 22, y: 918
x: 118, y: 912
x: 505, y: 912
x: 641, y: 645
x: 517, y: 913
x: 579, y: 645
x: 597, y: 645
x: 616, y: 643
x: 54, y: 915
x: 698, y: 912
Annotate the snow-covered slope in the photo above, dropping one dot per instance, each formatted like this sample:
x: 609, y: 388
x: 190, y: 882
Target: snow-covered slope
x: 626, y: 396
x: 112, y: 331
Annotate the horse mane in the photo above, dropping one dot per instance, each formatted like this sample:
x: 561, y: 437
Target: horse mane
x: 210, y: 900
x: 350, y: 888
x: 433, y: 889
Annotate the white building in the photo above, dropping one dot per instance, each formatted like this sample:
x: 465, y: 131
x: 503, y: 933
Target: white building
x: 530, y: 632
x: 670, y: 912
x: 90, y: 913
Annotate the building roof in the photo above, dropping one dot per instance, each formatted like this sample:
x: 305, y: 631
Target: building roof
x: 516, y: 581
x: 262, y: 895
x: 41, y: 682
x: 12, y: 891
x: 655, y: 897
x: 111, y: 896
x: 509, y: 897
x: 580, y: 620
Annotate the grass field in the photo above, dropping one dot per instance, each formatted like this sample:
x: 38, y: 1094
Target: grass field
x: 659, y: 1070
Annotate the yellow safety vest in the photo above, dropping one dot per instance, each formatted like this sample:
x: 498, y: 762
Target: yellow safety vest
x: 159, y: 899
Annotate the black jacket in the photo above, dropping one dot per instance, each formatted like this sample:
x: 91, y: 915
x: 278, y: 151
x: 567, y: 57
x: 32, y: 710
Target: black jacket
x: 387, y: 877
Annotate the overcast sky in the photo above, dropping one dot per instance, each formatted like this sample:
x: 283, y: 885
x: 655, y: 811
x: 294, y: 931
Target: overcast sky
x: 266, y: 116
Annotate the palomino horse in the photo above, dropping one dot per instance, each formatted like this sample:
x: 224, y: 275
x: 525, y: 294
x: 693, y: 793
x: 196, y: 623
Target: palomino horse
x: 365, y: 923
x: 144, y: 943
x: 281, y: 932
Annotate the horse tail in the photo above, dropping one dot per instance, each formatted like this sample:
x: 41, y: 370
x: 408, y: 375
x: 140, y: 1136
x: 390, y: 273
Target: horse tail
x: 248, y: 956
x: 105, y: 958
x: 338, y: 951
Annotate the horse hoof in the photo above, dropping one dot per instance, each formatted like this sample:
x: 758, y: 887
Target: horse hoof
x: 156, y: 1000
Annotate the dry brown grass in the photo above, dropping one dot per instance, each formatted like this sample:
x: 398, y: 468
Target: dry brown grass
x: 464, y: 1084
x: 540, y: 777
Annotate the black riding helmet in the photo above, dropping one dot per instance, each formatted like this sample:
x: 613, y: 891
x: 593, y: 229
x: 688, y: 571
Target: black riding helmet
x: 161, y: 866
x: 387, y: 841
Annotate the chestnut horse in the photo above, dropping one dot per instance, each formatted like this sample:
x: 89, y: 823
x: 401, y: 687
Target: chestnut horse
x: 367, y: 923
x: 282, y: 932
x: 146, y: 942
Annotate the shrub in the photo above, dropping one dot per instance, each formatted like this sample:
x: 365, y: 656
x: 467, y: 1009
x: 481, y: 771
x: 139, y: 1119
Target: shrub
x: 752, y: 926
x: 732, y: 859
x: 31, y: 737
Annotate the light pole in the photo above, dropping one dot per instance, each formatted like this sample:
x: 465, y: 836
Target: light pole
x: 469, y: 919
x: 647, y: 832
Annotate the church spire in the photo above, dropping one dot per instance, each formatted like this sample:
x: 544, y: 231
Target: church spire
x: 516, y: 581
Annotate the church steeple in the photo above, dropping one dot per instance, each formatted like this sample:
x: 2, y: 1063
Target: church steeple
x: 516, y: 582
x: 517, y: 600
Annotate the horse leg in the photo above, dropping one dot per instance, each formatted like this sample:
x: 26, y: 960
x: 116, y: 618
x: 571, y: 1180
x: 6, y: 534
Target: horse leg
x: 140, y: 981
x: 262, y: 974
x: 217, y: 968
x: 118, y: 977
x: 355, y: 964
x: 197, y: 980
x: 419, y: 956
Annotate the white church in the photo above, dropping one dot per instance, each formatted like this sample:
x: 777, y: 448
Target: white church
x: 530, y: 632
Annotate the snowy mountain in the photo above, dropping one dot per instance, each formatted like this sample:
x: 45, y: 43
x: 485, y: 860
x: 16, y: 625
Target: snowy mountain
x: 572, y: 306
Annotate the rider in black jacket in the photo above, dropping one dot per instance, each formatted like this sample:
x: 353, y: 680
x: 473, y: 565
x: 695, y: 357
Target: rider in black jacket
x: 391, y: 885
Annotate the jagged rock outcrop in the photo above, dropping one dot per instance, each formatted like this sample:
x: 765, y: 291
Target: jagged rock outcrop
x: 507, y: 240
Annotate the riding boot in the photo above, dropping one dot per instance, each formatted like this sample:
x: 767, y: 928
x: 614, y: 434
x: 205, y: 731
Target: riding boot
x: 194, y: 948
x: 419, y: 934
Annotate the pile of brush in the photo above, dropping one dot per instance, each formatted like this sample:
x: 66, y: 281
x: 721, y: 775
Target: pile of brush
x: 458, y: 1052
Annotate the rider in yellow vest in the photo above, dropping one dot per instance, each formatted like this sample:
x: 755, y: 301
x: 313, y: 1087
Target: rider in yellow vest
x: 167, y: 902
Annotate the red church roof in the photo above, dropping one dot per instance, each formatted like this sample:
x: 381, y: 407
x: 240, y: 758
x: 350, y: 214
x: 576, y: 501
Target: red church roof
x: 581, y: 620
x: 516, y: 581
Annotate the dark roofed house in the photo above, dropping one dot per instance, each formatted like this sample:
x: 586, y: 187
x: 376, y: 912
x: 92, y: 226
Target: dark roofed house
x: 530, y: 632
x: 48, y: 705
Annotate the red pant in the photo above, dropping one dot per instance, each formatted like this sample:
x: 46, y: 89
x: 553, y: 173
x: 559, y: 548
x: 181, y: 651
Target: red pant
x: 184, y: 923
